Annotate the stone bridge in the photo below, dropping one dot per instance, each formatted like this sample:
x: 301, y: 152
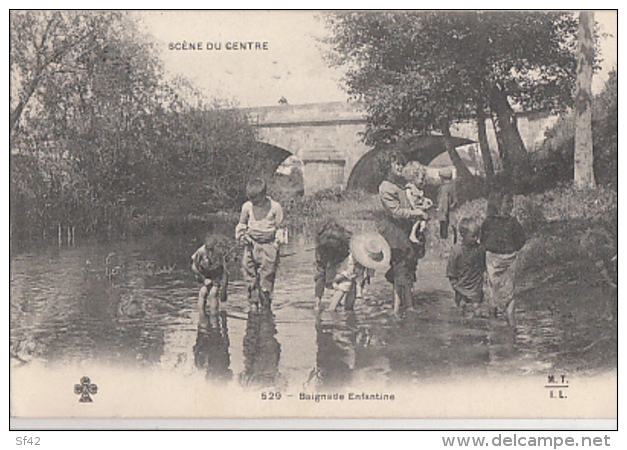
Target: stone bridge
x: 327, y: 138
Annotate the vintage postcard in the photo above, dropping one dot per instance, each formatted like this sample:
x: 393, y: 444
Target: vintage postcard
x: 408, y: 217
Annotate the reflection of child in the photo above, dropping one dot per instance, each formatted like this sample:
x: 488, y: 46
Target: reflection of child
x: 211, y: 351
x: 466, y: 266
x: 259, y: 228
x: 208, y: 262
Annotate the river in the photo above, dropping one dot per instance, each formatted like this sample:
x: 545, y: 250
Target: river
x: 133, y: 303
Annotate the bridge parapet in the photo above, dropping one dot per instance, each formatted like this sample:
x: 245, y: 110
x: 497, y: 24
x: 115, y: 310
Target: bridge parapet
x: 321, y: 114
x: 327, y: 137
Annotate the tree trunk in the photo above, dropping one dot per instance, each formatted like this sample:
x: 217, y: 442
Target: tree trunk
x: 484, y: 146
x: 511, y: 146
x: 584, y: 159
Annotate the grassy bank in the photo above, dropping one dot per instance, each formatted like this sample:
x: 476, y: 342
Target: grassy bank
x: 355, y: 210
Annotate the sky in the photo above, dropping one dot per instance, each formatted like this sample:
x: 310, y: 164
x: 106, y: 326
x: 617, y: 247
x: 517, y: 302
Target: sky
x: 292, y: 67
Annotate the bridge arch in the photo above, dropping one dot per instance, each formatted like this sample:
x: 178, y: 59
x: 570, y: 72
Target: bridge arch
x: 366, y: 176
x: 269, y: 157
x: 327, y: 137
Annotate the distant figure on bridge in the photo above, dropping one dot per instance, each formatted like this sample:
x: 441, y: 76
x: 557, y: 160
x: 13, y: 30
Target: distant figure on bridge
x: 396, y: 228
x: 260, y: 229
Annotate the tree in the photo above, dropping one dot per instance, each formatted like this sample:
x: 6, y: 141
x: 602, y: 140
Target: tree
x: 45, y: 45
x: 584, y: 159
x: 99, y: 135
x: 555, y: 159
x: 418, y: 72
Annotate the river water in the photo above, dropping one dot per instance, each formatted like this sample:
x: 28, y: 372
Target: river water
x: 133, y: 304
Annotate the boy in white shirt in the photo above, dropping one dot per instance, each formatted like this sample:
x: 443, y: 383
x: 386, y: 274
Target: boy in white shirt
x: 260, y: 229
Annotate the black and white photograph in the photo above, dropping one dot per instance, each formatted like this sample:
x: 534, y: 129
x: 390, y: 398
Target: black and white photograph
x: 403, y: 216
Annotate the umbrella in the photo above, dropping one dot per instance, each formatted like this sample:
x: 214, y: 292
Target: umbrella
x: 424, y: 149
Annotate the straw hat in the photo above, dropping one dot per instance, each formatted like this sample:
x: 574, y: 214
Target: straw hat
x: 371, y: 250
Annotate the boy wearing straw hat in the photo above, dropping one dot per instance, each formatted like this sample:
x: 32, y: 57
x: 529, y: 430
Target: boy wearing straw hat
x: 369, y: 251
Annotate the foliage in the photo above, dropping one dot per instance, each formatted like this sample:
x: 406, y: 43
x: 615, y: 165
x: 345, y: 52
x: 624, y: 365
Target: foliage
x: 419, y: 71
x: 554, y: 161
x: 99, y: 136
x: 561, y: 204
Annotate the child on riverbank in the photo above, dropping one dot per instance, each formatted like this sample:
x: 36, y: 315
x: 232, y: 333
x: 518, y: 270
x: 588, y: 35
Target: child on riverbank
x: 502, y: 236
x: 260, y: 229
x: 466, y: 266
x: 209, y: 264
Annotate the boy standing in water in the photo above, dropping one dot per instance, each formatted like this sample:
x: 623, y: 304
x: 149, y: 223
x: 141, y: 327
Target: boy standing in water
x: 502, y: 236
x: 259, y: 228
x: 466, y: 266
x: 208, y: 262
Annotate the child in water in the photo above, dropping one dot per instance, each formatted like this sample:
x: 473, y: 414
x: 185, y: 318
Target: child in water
x: 259, y: 228
x: 348, y: 261
x: 503, y: 237
x: 209, y: 264
x: 466, y: 266
x: 332, y: 248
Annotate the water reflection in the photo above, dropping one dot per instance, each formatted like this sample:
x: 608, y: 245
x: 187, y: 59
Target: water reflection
x: 336, y: 340
x: 135, y: 303
x: 262, y: 351
x: 211, y: 351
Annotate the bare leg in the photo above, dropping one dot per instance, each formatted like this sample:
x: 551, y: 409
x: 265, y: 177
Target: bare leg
x: 338, y: 296
x: 202, y: 299
x: 350, y: 298
x: 213, y: 300
x: 253, y: 299
x: 398, y: 299
x: 511, y: 314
